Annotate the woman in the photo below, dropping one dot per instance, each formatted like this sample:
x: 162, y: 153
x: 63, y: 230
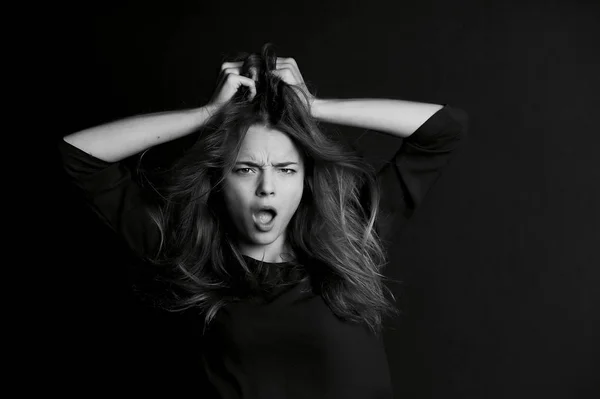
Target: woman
x: 269, y: 230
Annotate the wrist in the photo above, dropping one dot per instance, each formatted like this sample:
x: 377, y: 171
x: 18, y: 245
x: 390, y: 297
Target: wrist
x: 315, y: 107
x: 200, y: 115
x: 208, y: 110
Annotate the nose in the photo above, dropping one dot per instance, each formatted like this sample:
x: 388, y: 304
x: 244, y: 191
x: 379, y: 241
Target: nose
x: 266, y: 184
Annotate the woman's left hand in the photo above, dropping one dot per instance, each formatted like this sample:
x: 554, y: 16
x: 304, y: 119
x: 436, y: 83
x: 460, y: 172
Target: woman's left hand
x: 287, y: 70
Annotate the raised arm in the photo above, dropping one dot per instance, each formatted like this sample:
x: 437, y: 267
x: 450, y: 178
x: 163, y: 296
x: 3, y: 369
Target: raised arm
x: 431, y: 135
x: 396, y: 117
x: 90, y: 159
x: 114, y: 141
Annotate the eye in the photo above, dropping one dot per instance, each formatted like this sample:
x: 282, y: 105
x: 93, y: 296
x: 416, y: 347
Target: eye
x: 290, y: 171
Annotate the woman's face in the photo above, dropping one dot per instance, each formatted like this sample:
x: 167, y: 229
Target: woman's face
x: 269, y: 171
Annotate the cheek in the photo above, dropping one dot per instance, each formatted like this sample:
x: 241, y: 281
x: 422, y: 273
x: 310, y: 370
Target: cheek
x: 295, y: 198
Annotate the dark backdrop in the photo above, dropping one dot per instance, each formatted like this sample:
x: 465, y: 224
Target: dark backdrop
x: 500, y: 264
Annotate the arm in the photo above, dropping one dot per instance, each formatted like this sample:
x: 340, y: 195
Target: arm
x: 109, y: 190
x: 431, y: 136
x: 397, y: 117
x: 118, y: 140
x: 114, y: 141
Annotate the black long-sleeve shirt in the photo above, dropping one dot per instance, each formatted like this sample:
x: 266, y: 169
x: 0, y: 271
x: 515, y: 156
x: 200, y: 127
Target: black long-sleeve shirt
x: 291, y: 346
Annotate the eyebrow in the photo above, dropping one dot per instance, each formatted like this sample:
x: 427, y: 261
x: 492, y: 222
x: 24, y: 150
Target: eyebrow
x: 258, y: 166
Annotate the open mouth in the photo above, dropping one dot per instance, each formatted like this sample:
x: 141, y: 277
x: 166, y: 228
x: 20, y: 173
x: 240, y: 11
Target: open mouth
x: 265, y: 217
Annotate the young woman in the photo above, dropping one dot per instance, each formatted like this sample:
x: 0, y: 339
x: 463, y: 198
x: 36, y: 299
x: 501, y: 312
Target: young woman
x: 266, y: 228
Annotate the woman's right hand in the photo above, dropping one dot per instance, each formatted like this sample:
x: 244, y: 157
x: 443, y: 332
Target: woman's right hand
x: 229, y: 82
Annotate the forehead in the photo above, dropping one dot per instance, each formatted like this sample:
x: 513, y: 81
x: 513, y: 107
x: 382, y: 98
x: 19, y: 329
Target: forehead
x: 262, y: 143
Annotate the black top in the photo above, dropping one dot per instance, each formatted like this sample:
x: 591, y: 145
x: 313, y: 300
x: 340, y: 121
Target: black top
x: 291, y: 345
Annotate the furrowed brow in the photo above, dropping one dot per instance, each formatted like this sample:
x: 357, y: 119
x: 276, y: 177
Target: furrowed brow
x: 258, y: 166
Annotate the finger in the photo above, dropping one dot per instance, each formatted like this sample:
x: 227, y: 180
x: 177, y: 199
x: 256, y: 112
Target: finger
x: 287, y: 60
x: 251, y: 84
x: 285, y: 75
x: 277, y: 73
x: 238, y: 80
x: 228, y: 71
x: 290, y: 63
x: 288, y: 75
x: 231, y: 64
x: 234, y: 70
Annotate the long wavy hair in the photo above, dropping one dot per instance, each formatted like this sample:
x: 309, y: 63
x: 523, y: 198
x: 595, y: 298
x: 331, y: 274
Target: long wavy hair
x: 338, y: 251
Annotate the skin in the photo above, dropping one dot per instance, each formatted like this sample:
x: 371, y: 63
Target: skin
x: 248, y: 187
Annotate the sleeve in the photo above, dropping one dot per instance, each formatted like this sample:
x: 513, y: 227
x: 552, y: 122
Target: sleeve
x: 405, y: 180
x: 110, y: 191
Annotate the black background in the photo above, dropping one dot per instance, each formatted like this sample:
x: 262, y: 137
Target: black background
x: 500, y: 264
